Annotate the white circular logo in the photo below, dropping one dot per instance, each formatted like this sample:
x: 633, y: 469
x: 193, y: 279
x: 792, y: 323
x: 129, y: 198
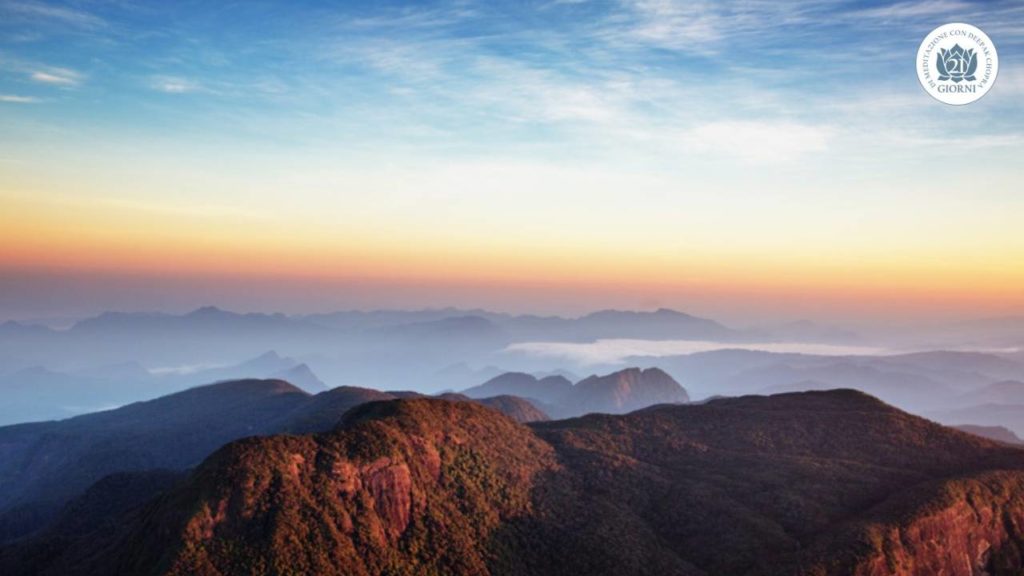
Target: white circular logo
x: 957, y: 64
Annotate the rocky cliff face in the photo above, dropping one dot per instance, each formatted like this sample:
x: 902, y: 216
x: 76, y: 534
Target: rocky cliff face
x: 964, y: 527
x: 373, y: 498
x: 43, y: 465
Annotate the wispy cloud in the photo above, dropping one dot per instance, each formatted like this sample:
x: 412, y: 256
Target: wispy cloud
x: 674, y: 24
x: 57, y: 77
x: 16, y: 99
x: 174, y: 84
x: 913, y: 9
x: 42, y: 11
x: 703, y: 27
x: 617, y: 351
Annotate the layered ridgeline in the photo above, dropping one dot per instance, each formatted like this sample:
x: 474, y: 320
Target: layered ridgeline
x: 44, y: 464
x: 806, y: 483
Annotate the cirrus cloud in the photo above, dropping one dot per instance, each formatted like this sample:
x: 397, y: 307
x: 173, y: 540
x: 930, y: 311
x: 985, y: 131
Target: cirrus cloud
x: 57, y: 77
x: 17, y: 99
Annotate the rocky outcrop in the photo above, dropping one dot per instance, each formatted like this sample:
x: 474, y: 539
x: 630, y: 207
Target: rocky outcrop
x: 961, y: 527
x: 357, y: 501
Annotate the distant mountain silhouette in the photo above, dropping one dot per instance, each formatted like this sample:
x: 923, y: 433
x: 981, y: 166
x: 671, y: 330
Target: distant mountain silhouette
x: 959, y: 362
x: 997, y: 433
x: 384, y: 349
x: 624, y: 391
x: 197, y: 321
x: 920, y: 382
x: 1004, y: 392
x: 303, y: 377
x: 550, y: 390
x: 17, y: 329
x: 1009, y: 416
x: 660, y: 324
x: 810, y: 484
x: 455, y: 326
x: 616, y: 393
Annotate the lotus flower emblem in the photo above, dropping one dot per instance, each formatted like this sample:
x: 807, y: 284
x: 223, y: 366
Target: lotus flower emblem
x: 957, y: 64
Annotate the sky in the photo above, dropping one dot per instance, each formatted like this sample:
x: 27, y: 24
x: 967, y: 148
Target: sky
x: 747, y: 160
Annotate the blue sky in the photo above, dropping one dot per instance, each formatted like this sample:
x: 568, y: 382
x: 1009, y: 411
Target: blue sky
x: 758, y: 134
x: 479, y: 78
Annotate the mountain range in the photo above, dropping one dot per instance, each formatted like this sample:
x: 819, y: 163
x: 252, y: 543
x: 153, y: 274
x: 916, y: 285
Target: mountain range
x: 930, y: 382
x: 44, y: 464
x: 117, y: 358
x: 813, y: 483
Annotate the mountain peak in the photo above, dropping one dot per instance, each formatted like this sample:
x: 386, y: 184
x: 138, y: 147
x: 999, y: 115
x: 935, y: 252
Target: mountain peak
x: 207, y: 311
x: 550, y: 389
x: 672, y: 313
x: 627, y: 390
x: 303, y: 376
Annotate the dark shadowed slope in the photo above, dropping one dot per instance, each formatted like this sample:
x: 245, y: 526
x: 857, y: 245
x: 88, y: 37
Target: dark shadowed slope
x: 42, y: 465
x: 90, y: 520
x: 53, y: 461
x: 302, y: 377
x: 325, y: 410
x: 815, y: 483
